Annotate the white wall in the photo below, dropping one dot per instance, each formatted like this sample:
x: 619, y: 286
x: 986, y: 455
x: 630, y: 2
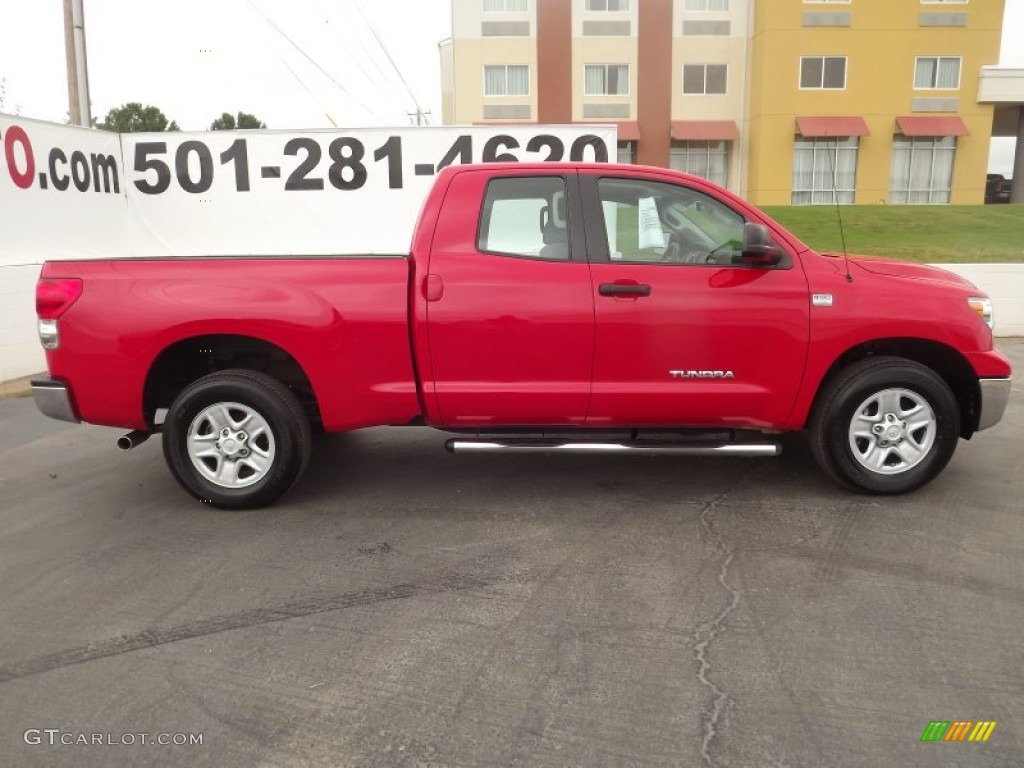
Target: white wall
x: 20, y: 353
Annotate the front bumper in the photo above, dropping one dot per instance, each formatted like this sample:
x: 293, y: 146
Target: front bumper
x: 995, y: 394
x: 53, y: 398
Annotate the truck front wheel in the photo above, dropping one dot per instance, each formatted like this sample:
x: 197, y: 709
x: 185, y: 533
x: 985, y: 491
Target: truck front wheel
x: 885, y: 425
x: 236, y: 439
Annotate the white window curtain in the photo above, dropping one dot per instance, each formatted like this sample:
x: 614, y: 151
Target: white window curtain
x: 824, y: 171
x: 707, y: 159
x: 595, y: 79
x: 937, y: 72
x: 494, y: 81
x: 518, y: 80
x: 922, y: 170
x: 618, y: 79
x: 925, y: 76
x: 949, y: 73
x: 707, y: 5
x: 512, y: 80
x: 608, y: 79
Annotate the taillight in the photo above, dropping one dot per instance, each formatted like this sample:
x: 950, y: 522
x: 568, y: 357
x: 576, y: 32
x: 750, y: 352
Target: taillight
x: 55, y: 295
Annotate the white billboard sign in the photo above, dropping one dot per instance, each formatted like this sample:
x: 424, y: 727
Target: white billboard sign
x: 62, y: 195
x: 67, y: 192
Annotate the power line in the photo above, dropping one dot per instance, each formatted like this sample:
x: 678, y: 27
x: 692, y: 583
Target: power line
x: 387, y: 53
x: 379, y: 83
x: 310, y: 59
x: 306, y: 89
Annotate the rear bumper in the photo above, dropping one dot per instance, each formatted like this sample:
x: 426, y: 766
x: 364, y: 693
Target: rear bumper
x: 995, y: 394
x: 53, y: 398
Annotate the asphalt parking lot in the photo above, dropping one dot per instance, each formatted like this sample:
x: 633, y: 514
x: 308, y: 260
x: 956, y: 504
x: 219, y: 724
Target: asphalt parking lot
x: 406, y: 607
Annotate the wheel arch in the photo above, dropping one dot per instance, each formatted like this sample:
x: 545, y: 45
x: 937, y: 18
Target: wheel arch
x: 188, y: 359
x: 941, y: 358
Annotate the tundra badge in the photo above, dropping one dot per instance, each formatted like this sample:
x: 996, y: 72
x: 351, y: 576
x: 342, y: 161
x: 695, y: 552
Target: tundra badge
x: 702, y: 374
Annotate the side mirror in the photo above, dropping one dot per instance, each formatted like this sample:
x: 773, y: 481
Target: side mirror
x: 758, y: 246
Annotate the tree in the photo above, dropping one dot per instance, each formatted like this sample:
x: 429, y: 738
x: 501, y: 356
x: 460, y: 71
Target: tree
x: 133, y: 117
x: 228, y: 122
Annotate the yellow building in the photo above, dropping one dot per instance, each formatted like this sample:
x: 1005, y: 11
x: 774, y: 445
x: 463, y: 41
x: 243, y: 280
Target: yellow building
x: 897, y: 85
x: 782, y: 101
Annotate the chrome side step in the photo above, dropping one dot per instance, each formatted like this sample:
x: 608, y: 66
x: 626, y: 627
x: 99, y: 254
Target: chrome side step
x: 457, y: 445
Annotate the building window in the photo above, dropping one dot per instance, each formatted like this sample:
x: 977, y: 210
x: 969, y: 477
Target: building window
x: 704, y: 78
x: 823, y: 72
x: 707, y: 159
x: 625, y: 152
x: 606, y: 79
x: 504, y: 6
x: 824, y: 170
x: 922, y: 170
x: 937, y: 73
x: 707, y: 5
x: 607, y: 5
x: 510, y: 80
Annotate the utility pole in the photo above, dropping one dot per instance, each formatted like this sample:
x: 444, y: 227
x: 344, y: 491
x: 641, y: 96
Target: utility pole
x: 78, y: 71
x: 422, y: 118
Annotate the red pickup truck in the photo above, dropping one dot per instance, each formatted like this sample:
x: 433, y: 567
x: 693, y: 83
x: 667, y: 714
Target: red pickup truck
x: 575, y: 307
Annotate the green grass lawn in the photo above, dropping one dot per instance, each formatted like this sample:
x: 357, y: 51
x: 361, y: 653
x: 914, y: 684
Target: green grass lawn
x: 926, y: 233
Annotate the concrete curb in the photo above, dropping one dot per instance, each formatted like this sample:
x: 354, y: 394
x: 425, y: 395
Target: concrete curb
x: 18, y: 387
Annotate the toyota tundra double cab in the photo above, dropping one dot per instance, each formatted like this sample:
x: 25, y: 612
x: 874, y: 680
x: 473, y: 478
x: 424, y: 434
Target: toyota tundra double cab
x: 541, y: 307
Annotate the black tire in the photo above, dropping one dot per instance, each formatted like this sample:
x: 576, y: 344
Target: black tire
x: 284, y: 437
x: 844, y: 456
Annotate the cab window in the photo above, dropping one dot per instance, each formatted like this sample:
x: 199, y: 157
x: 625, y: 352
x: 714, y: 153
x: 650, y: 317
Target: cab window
x: 651, y: 222
x: 525, y: 217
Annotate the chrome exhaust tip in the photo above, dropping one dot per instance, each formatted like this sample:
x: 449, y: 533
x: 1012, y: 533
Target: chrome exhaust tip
x: 133, y: 439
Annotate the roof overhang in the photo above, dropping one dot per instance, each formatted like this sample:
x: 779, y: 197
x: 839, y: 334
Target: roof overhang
x: 628, y: 131
x: 832, y: 125
x: 932, y: 125
x: 1001, y: 85
x: 705, y: 130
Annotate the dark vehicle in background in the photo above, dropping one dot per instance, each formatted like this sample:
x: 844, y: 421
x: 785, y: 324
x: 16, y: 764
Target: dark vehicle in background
x: 997, y: 188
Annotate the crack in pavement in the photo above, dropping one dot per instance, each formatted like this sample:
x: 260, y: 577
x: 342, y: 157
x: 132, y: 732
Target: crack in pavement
x: 709, y: 630
x: 152, y: 638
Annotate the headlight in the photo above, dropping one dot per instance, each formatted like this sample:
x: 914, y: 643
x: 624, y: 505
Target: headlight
x: 982, y: 306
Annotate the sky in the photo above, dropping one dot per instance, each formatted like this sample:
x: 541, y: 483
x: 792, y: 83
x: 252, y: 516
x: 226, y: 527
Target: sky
x: 195, y: 59
x: 322, y: 65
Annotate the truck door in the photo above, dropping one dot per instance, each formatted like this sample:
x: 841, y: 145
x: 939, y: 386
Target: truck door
x: 508, y: 303
x: 687, y: 334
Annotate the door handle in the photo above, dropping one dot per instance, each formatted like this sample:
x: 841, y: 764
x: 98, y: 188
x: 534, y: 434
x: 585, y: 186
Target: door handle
x: 624, y: 289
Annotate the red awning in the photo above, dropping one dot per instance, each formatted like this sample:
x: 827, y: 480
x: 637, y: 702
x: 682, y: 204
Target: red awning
x: 818, y: 127
x: 628, y: 131
x: 932, y: 125
x: 705, y: 130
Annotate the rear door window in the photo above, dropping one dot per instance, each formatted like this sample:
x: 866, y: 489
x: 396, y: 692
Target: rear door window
x: 525, y: 217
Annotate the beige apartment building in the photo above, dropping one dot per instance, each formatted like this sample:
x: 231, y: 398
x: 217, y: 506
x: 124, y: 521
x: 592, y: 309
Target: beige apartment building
x: 756, y: 95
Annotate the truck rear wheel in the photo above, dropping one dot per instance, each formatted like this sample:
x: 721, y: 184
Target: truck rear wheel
x: 236, y: 439
x: 885, y: 425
